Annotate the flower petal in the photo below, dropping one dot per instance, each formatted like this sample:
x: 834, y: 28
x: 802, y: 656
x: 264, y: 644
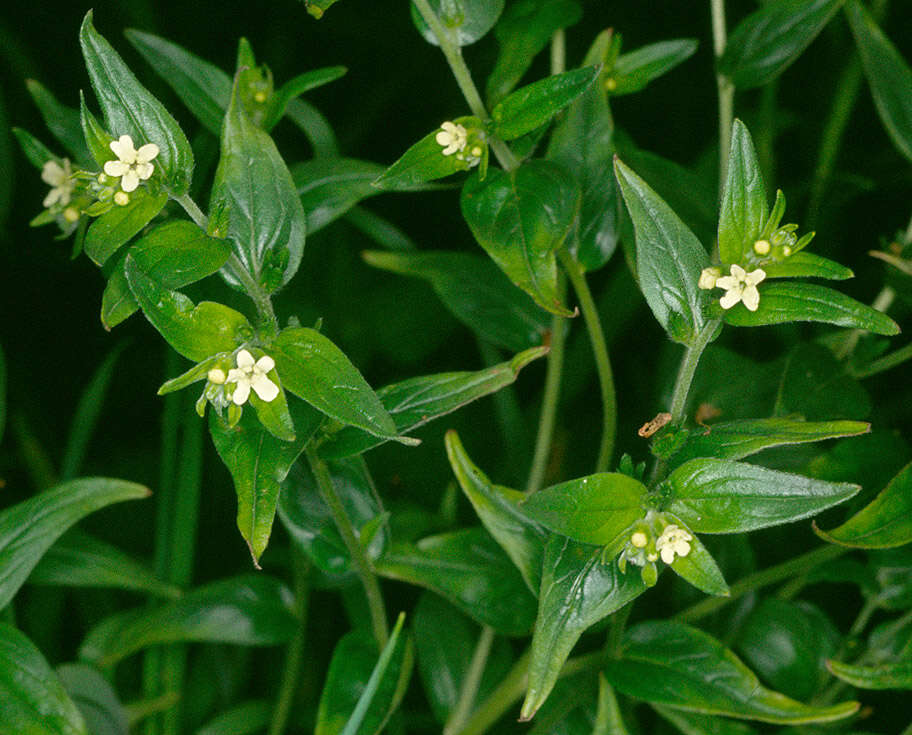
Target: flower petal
x: 146, y: 153
x: 236, y: 375
x: 115, y: 168
x: 731, y: 298
x: 265, y: 364
x: 751, y: 298
x: 241, y: 393
x: 123, y: 149
x: 726, y: 282
x: 668, y: 554
x: 265, y: 388
x: 245, y: 360
x: 738, y: 272
x: 129, y: 181
x: 755, y: 277
x: 144, y: 170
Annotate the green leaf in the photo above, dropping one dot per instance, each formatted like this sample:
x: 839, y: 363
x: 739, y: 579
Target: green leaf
x: 32, y: 699
x: 470, y: 570
x: 362, y: 691
x: 882, y: 524
x: 255, y: 191
x: 317, y: 7
x: 499, y: 510
x: 700, y: 569
x: 202, y: 87
x: 466, y: 21
x: 62, y: 121
x: 33, y: 149
x: 28, y: 529
x: 720, y: 496
x: 744, y: 209
x: 525, y: 30
x: 634, y: 70
x: 80, y: 560
x: 765, y: 43
x: 592, y: 510
x: 808, y: 302
x: 742, y: 438
x: 520, y: 218
x: 578, y: 589
x: 310, y: 523
x: 118, y: 225
x: 888, y: 74
x: 807, y: 265
x: 444, y: 643
x: 246, y: 610
x: 297, y: 86
x: 175, y: 254
x: 894, y: 675
x: 414, y: 402
x: 329, y: 187
x: 195, y: 331
x: 97, y: 138
x: 247, y: 718
x: 475, y: 291
x: 669, y: 259
x: 690, y: 723
x: 314, y: 369
x: 95, y: 698
x: 678, y: 666
x: 816, y: 386
x: 788, y: 643
x: 259, y: 462
x: 130, y: 109
x: 532, y: 106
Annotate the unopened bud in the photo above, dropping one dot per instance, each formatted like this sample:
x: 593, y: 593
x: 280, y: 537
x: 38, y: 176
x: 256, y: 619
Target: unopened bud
x: 762, y: 247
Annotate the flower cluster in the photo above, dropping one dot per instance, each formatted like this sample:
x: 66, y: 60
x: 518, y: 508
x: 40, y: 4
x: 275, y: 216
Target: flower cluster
x: 230, y: 387
x: 467, y: 145
x: 132, y: 165
x: 740, y: 286
x: 654, y: 538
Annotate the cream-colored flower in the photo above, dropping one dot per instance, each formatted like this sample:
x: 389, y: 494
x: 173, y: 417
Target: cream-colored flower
x: 132, y: 165
x: 708, y: 278
x: 673, y: 541
x: 252, y: 374
x: 453, y: 137
x: 58, y: 178
x: 639, y: 539
x: 741, y: 286
x: 762, y: 247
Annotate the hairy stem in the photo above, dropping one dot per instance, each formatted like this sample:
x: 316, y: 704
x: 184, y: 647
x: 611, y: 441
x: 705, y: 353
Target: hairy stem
x: 726, y: 90
x: 471, y: 682
x: 353, y: 545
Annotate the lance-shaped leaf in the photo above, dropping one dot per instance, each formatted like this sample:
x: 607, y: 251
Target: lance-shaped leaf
x: 578, y: 589
x: 765, y: 43
x: 532, y: 106
x: 309, y: 521
x: 470, y: 570
x: 130, y: 109
x: 583, y: 142
x: 175, y: 254
x: 247, y: 611
x: 700, y: 569
x: 592, y: 510
x: 32, y: 698
x: 691, y: 723
x: 362, y: 691
x: 255, y: 191
x: 669, y: 259
x: 62, y: 121
x: 720, y: 496
x: 259, y: 462
x: 28, y: 529
x: 739, y: 439
x: 329, y: 187
x: 414, y: 402
x: 475, y: 291
x: 525, y: 30
x: 295, y: 87
x: 893, y: 675
x: 744, y: 209
x: 314, y: 369
x: 807, y: 265
x: 96, y: 137
x: 520, y: 218
x: 884, y: 523
x: 466, y: 21
x: 808, y: 302
x: 499, y: 510
x: 634, y: 70
x: 79, y: 560
x: 888, y: 74
x: 95, y: 698
x: 34, y: 150
x: 246, y: 718
x: 195, y: 331
x: 317, y: 7
x: 119, y: 224
x: 675, y: 665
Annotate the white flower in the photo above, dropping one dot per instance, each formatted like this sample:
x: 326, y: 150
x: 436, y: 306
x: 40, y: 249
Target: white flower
x: 58, y: 178
x: 741, y: 286
x: 708, y: 278
x: 249, y: 374
x: 639, y: 539
x: 453, y: 137
x: 673, y: 541
x: 133, y: 165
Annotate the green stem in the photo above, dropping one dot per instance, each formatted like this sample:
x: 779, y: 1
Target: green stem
x: 471, y: 682
x: 192, y: 209
x: 687, y: 371
x: 882, y: 302
x: 553, y: 373
x: 453, y: 55
x: 763, y: 578
x: 295, y: 653
x: 885, y: 363
x: 725, y: 88
x: 359, y: 559
x: 602, y: 361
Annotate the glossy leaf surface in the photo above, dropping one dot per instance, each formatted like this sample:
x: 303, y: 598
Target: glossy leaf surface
x: 329, y: 187
x: 95, y: 698
x: 807, y: 265
x: 120, y: 224
x: 678, y: 666
x: 744, y: 209
x: 507, y: 214
x: 465, y: 21
x: 885, y: 676
x: 28, y: 529
x: 633, y: 70
x: 720, y: 496
x: 62, y: 121
x: 700, y: 569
